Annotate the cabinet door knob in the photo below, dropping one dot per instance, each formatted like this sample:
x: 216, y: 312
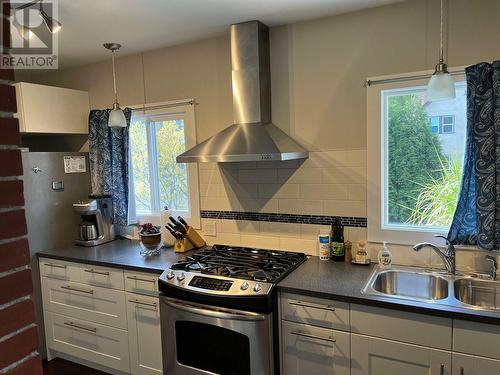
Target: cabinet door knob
x: 462, y: 371
x: 441, y: 371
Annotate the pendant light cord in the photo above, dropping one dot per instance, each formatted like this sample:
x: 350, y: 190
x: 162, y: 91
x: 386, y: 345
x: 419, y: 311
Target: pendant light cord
x: 441, y: 48
x: 114, y: 75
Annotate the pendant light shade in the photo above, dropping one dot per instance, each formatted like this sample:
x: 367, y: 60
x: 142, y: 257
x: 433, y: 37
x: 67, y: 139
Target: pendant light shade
x: 116, y: 117
x: 441, y: 86
x: 52, y: 24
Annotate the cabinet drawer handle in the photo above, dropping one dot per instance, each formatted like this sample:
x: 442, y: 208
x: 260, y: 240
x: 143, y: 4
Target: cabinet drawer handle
x: 329, y: 339
x: 441, y: 371
x: 462, y: 371
x: 69, y: 287
x: 141, y: 279
x: 55, y: 265
x: 106, y: 273
x: 74, y: 325
x: 142, y: 303
x: 312, y: 305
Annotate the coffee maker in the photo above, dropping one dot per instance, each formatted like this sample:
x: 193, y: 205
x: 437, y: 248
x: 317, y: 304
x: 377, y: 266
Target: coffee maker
x: 96, y: 226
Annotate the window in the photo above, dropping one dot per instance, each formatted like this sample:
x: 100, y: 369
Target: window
x: 156, y: 138
x: 442, y: 124
x: 415, y: 156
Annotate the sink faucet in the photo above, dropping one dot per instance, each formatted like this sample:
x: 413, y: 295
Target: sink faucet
x: 448, y: 255
x: 494, y: 266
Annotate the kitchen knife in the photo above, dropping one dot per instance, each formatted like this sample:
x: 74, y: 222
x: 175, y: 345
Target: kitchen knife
x: 178, y: 226
x: 172, y: 227
x: 176, y: 235
x: 182, y: 221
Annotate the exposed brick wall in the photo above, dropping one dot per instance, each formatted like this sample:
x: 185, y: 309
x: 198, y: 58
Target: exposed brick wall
x: 18, y: 334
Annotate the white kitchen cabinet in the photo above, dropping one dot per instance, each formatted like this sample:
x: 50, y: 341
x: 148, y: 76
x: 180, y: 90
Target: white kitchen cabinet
x: 471, y: 365
x: 376, y: 356
x: 89, y: 341
x: 314, y: 351
x: 48, y: 109
x: 143, y: 316
x: 95, y: 304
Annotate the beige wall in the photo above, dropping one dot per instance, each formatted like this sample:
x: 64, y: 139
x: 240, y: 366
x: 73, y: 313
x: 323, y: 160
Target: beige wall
x: 318, y: 70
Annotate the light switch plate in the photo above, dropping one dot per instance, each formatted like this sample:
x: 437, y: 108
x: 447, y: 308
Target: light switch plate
x: 209, y: 228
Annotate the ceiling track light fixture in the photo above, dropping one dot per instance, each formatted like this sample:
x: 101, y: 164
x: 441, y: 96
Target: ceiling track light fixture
x: 52, y: 24
x: 116, y: 117
x: 441, y: 86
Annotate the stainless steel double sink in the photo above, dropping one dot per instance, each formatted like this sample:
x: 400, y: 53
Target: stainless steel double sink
x: 460, y: 290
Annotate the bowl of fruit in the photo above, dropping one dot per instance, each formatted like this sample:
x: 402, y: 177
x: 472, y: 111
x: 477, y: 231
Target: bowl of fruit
x: 150, y: 239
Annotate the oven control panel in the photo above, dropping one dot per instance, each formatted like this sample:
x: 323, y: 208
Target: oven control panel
x: 210, y: 283
x: 214, y: 284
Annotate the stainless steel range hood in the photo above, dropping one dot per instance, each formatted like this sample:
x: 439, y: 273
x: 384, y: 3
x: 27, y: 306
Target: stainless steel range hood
x: 252, y: 137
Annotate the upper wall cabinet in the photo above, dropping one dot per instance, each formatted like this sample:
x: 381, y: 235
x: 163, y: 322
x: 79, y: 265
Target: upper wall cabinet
x: 48, y: 109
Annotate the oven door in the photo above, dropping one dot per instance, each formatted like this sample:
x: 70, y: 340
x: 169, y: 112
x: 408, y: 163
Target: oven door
x: 199, y: 339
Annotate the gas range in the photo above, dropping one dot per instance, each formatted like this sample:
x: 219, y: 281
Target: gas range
x: 229, y: 276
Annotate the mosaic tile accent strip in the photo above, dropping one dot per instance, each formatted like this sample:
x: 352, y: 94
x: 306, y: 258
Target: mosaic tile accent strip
x: 358, y: 222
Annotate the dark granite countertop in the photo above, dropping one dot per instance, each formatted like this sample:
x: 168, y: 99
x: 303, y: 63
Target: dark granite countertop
x: 325, y: 279
x: 344, y: 282
x: 120, y: 253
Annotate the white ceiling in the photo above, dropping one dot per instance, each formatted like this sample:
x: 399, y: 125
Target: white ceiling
x: 141, y: 25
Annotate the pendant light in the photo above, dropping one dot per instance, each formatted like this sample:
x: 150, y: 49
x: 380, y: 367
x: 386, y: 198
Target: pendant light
x: 441, y: 86
x: 116, y: 117
x: 52, y: 24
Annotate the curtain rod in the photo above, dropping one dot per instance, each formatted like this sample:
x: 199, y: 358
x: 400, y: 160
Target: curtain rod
x: 370, y: 82
x: 160, y: 106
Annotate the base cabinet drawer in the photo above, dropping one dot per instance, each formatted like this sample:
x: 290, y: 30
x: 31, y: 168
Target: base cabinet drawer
x: 59, y: 270
x: 471, y: 365
x: 102, y: 276
x: 314, y: 351
x: 374, y: 356
x: 476, y: 338
x: 89, y: 341
x: 87, y: 302
x: 315, y: 311
x: 141, y: 283
x: 143, y: 315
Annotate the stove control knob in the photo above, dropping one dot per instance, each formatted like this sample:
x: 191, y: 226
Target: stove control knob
x: 244, y: 286
x: 170, y: 275
x: 257, y: 287
x: 181, y: 276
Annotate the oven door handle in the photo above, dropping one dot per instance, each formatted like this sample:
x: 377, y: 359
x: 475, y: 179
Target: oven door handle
x: 233, y: 315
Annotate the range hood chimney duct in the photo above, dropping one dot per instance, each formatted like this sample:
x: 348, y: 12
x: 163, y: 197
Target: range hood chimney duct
x: 252, y: 137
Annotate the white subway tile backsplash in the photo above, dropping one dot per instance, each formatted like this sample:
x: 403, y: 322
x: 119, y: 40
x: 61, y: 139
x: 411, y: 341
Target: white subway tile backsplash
x: 240, y: 226
x: 311, y: 231
x: 241, y: 190
x: 356, y: 192
x: 256, y: 176
x: 328, y: 159
x: 220, y: 204
x: 279, y: 229
x: 279, y: 191
x: 260, y: 241
x: 258, y: 205
x: 344, y: 175
x: 344, y: 208
x: 302, y: 206
x: 299, y: 245
x: 300, y: 176
x: 324, y: 191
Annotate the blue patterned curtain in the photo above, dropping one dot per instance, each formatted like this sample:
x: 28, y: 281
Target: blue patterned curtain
x: 108, y: 154
x: 477, y: 217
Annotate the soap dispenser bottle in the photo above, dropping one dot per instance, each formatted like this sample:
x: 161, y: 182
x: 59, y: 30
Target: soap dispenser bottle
x: 385, y: 257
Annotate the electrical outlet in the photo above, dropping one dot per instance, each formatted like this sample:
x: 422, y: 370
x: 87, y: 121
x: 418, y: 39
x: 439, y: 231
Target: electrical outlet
x: 210, y: 228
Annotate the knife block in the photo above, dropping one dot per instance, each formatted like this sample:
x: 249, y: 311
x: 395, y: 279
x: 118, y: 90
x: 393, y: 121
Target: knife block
x: 191, y: 240
x: 181, y: 246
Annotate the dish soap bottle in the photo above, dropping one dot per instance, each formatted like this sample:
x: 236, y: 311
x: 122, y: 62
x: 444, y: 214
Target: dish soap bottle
x: 385, y: 257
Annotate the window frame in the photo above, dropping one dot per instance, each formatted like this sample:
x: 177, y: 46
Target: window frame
x: 172, y: 109
x: 377, y: 174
